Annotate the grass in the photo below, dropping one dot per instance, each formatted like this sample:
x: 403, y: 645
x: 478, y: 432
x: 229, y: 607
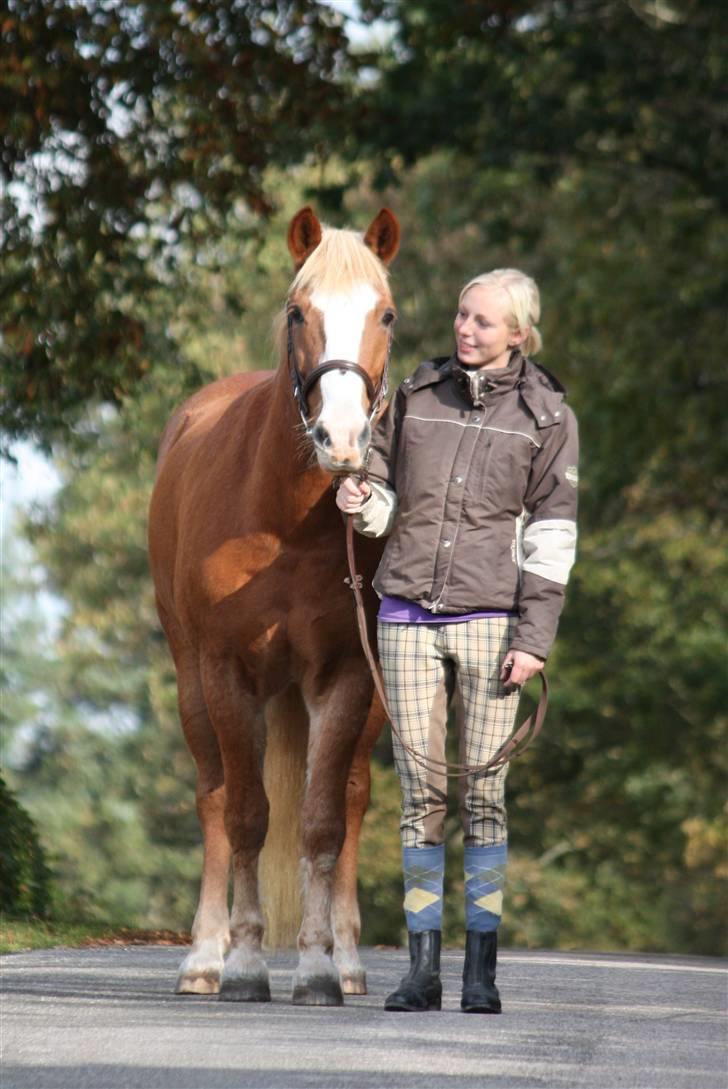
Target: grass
x: 23, y: 934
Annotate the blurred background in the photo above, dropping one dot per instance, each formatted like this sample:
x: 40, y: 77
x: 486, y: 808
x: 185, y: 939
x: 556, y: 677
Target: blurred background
x: 152, y: 153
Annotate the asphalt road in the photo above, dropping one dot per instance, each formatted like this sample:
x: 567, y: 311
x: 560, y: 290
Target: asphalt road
x: 108, y: 1019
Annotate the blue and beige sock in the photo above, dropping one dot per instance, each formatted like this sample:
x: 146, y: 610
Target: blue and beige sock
x: 485, y: 869
x: 424, y: 871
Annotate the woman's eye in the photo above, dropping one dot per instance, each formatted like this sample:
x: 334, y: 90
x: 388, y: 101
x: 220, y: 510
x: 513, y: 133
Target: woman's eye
x: 388, y: 317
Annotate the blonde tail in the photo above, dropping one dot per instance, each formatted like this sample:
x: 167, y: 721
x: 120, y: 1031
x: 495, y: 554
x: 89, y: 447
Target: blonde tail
x: 284, y: 775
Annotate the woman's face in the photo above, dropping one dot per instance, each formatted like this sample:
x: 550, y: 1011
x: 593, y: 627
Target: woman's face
x: 483, y: 336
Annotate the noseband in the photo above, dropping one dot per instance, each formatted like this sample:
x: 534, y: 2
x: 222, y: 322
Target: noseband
x: 303, y: 386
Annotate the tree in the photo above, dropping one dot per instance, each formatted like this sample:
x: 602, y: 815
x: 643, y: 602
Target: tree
x: 601, y: 84
x: 126, y: 129
x: 524, y: 135
x: 24, y: 875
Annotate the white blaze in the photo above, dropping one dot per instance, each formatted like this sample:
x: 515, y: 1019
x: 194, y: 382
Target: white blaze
x: 342, y: 412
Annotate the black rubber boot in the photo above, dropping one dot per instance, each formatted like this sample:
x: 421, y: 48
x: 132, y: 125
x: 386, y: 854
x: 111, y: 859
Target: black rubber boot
x: 421, y: 988
x: 480, y: 994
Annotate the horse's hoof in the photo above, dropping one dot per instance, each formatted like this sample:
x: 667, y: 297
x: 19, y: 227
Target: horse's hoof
x: 198, y: 983
x: 245, y: 990
x: 354, y: 982
x: 200, y: 971
x: 245, y: 977
x: 318, y: 991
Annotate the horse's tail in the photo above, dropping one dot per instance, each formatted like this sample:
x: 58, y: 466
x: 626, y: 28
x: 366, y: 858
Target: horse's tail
x: 284, y: 778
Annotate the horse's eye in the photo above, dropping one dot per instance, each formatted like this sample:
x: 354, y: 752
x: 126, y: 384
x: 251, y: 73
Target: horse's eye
x: 295, y: 314
x: 388, y: 317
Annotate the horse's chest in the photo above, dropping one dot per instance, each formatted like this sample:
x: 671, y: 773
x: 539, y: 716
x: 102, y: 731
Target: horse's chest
x: 272, y: 604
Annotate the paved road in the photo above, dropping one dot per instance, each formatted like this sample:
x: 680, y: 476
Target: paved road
x: 107, y: 1019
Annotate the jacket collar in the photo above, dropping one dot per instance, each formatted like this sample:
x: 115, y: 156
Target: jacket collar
x: 476, y: 385
x: 541, y: 391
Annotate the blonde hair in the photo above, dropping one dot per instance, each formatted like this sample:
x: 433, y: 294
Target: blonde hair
x: 524, y: 298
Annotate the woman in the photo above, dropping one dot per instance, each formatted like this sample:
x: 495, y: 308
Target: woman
x: 472, y: 475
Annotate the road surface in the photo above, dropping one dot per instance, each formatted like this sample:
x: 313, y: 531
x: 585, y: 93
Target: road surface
x: 107, y: 1018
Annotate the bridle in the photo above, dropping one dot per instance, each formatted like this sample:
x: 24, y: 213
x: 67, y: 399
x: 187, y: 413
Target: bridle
x: 302, y: 386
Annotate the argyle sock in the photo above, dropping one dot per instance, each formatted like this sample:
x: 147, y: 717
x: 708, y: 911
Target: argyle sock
x: 424, y: 870
x: 484, y: 878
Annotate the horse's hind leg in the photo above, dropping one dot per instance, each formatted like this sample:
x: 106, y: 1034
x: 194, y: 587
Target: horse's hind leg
x: 201, y: 969
x: 345, y: 907
x: 239, y: 730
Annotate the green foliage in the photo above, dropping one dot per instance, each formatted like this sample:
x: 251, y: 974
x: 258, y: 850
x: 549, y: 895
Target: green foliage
x: 545, y: 136
x: 18, y: 935
x: 24, y: 876
x: 596, y: 84
x: 125, y: 131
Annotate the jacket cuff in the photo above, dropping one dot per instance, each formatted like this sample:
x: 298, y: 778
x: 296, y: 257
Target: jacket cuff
x: 541, y: 601
x: 376, y: 515
x: 528, y: 648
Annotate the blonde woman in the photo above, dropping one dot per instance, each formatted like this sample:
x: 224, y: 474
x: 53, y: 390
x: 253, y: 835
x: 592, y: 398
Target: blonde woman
x: 472, y: 477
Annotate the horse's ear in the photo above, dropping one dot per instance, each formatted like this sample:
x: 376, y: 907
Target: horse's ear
x: 304, y: 235
x: 383, y: 236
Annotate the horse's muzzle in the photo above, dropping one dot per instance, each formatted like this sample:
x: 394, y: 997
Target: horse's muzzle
x: 342, y: 453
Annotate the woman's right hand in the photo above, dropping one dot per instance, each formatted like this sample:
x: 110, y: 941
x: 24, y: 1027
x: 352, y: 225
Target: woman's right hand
x: 352, y: 494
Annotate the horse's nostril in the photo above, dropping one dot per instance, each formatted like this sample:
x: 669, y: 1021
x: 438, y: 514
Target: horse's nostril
x: 321, y: 436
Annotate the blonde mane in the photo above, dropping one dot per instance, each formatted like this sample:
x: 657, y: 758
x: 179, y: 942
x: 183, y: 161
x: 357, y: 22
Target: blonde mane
x: 340, y: 261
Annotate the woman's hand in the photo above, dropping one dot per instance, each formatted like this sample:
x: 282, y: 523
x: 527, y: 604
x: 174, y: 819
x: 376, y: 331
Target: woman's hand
x: 352, y: 494
x: 518, y: 667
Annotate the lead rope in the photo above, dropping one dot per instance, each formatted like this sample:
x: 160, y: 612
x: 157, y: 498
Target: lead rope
x: 516, y: 744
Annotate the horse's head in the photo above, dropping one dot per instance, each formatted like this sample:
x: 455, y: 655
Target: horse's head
x: 339, y: 317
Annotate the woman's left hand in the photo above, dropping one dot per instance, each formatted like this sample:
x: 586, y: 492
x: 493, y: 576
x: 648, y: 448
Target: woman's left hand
x: 518, y: 667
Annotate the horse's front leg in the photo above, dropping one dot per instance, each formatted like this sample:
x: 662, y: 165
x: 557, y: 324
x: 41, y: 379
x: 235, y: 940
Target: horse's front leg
x: 337, y: 716
x: 239, y: 727
x: 200, y: 971
x: 345, y: 908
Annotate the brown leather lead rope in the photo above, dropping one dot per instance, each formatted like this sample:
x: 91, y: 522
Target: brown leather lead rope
x: 516, y: 744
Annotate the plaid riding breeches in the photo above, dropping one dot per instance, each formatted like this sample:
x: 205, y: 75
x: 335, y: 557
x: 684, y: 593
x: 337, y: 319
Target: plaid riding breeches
x: 425, y: 667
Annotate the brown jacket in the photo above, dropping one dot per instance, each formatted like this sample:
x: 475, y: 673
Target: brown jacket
x: 474, y: 479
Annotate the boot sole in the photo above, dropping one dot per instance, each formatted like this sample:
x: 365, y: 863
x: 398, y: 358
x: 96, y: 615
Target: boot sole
x: 402, y: 1007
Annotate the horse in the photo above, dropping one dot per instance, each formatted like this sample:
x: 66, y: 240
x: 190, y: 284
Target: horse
x: 248, y: 557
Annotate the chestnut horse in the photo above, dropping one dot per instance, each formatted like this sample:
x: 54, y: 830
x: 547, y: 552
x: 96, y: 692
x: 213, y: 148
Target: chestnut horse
x: 248, y: 555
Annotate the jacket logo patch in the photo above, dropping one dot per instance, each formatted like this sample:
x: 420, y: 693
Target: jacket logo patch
x: 572, y: 475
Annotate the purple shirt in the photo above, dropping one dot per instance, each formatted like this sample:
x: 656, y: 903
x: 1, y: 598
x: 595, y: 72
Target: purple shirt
x: 397, y: 610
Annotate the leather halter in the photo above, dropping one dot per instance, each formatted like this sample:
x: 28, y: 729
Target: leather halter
x: 303, y: 386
